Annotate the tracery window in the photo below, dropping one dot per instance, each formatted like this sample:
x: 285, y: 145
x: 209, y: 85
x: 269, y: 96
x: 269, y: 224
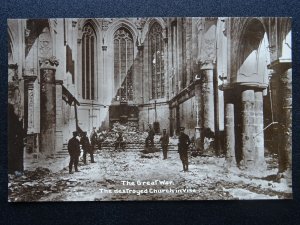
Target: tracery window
x: 157, y: 61
x: 88, y: 62
x: 123, y: 62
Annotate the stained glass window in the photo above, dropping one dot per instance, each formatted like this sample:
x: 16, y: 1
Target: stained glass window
x: 123, y: 62
x: 88, y: 62
x: 156, y: 48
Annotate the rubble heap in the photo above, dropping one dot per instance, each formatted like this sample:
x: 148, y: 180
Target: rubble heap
x: 130, y: 133
x: 35, y: 184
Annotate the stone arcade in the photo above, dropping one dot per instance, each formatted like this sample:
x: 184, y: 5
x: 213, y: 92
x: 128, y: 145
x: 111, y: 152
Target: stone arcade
x: 227, y: 78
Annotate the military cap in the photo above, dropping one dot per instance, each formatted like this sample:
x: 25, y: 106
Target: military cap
x: 75, y: 133
x: 182, y: 128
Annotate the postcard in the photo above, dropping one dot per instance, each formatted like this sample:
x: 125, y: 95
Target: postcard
x: 149, y: 109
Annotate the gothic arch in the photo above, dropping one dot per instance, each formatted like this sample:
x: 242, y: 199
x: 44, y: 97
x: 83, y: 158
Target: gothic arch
x: 149, y: 24
x: 109, y: 36
x: 108, y: 40
x: 93, y: 93
x: 253, y: 45
x: 94, y: 23
x: 10, y: 46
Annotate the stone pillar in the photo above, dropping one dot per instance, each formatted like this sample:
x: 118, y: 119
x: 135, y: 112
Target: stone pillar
x: 179, y: 55
x: 282, y: 69
x: 59, y: 116
x: 259, y: 131
x: 29, y: 114
x: 230, y: 135
x: 198, y: 111
x: 248, y: 128
x: 139, y: 76
x: 285, y: 121
x: 208, y: 98
x: 48, y: 105
x: 29, y: 103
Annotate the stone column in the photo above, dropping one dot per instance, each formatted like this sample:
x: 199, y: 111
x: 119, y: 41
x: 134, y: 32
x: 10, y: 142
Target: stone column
x: 208, y: 97
x: 139, y: 75
x: 230, y: 135
x: 248, y: 128
x: 259, y: 131
x: 48, y: 105
x: 285, y: 121
x: 179, y: 55
x: 29, y: 103
x: 59, y: 116
x: 282, y: 68
x: 198, y: 111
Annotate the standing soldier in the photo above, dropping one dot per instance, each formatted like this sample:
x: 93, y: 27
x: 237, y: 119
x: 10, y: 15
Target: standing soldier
x: 183, y: 145
x: 164, y: 143
x: 93, y: 138
x: 86, y: 146
x: 74, y: 151
x: 100, y: 139
x: 120, y: 142
x: 150, y: 137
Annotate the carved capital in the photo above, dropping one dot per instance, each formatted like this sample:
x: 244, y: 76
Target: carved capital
x: 280, y: 65
x: 49, y: 63
x: 140, y: 47
x: 13, y: 73
x: 13, y: 66
x: 29, y: 80
x: 206, y: 64
x: 59, y: 82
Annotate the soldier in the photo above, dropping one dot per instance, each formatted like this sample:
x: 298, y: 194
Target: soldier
x: 120, y: 141
x: 93, y: 138
x: 183, y: 145
x: 74, y: 151
x: 150, y: 136
x: 100, y: 139
x: 164, y: 143
x: 87, y: 148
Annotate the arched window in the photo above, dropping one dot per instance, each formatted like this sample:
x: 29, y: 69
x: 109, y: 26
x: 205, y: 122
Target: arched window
x: 123, y: 61
x: 88, y: 62
x: 157, y: 61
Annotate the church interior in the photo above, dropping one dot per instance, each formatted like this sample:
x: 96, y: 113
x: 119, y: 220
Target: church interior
x: 224, y: 79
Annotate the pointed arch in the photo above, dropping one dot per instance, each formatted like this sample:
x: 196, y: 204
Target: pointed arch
x: 156, y: 57
x: 89, y: 60
x: 10, y: 46
x: 113, y: 27
x: 149, y: 24
x: 252, y: 48
x: 123, y: 63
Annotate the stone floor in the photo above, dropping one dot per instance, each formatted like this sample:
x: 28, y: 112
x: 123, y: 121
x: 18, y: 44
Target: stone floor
x: 132, y: 175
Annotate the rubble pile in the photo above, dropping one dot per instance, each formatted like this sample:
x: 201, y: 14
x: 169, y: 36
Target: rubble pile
x: 35, y: 184
x: 129, y: 132
x: 127, y: 127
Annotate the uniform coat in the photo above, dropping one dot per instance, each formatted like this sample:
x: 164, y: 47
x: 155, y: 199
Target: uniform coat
x: 74, y: 151
x: 183, y: 145
x: 164, y: 144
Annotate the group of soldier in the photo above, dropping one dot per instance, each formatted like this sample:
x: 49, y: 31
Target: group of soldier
x: 75, y: 151
x: 88, y: 147
x: 183, y: 145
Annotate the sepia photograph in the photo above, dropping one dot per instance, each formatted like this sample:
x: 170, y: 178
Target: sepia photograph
x: 149, y: 109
